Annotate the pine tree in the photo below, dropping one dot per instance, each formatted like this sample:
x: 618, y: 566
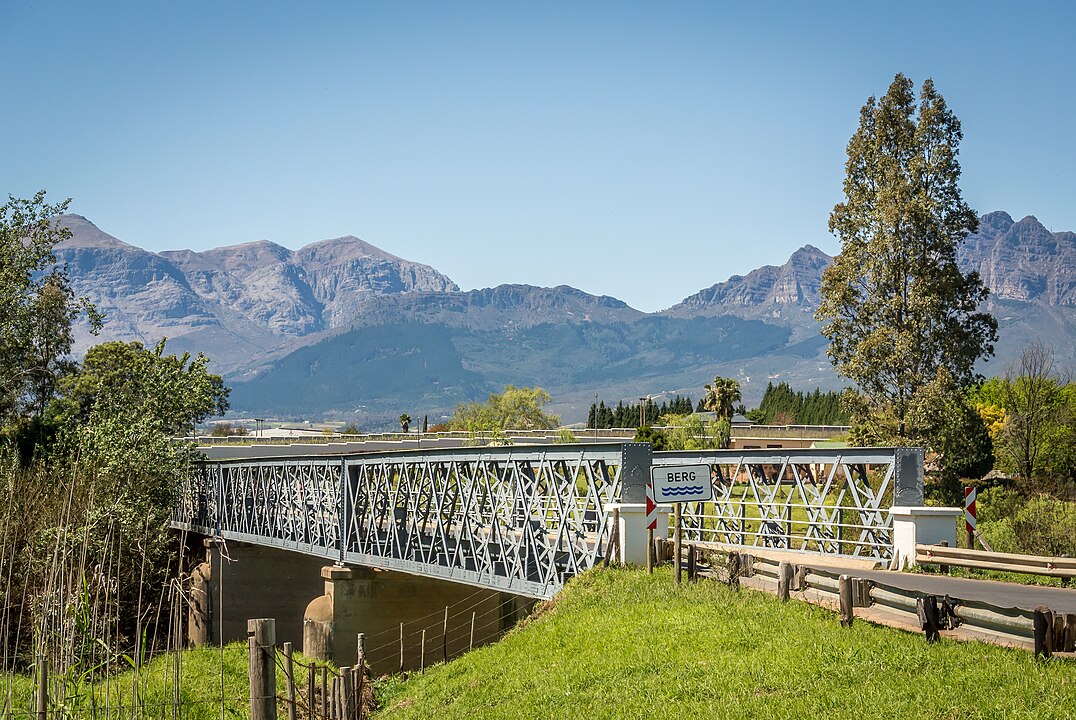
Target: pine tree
x: 895, y: 306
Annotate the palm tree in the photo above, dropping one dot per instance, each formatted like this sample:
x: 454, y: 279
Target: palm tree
x: 405, y: 422
x: 721, y: 397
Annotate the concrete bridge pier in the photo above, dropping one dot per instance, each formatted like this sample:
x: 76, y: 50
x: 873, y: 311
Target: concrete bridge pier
x: 376, y: 602
x: 238, y: 581
x: 322, y: 609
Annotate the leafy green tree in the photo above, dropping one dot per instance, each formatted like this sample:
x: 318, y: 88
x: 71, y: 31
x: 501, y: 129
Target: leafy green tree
x: 895, y: 306
x: 689, y: 432
x: 517, y: 408
x: 405, y: 422
x: 37, y: 307
x: 1033, y: 415
x: 656, y: 438
x: 175, y: 392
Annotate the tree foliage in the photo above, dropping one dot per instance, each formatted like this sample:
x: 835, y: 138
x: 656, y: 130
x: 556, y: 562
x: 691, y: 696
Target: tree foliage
x: 123, y: 408
x: 721, y: 397
x: 37, y: 308
x: 1032, y: 417
x: 627, y: 415
x: 895, y: 306
x: 781, y: 405
x: 517, y: 408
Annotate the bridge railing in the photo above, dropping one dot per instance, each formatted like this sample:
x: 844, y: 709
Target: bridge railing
x: 519, y: 519
x: 524, y: 519
x: 833, y: 502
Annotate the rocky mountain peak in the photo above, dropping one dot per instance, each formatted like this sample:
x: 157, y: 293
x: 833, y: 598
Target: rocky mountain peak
x: 796, y: 283
x: 84, y: 234
x: 1022, y: 260
x: 324, y: 253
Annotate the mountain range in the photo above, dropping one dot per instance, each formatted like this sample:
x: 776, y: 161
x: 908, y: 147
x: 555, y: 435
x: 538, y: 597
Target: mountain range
x: 342, y: 329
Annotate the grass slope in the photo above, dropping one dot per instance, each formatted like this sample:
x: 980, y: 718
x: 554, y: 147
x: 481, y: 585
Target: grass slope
x: 621, y: 644
x: 211, y: 679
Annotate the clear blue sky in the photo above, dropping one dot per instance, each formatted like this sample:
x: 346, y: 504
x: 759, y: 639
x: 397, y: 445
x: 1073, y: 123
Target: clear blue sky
x: 641, y: 150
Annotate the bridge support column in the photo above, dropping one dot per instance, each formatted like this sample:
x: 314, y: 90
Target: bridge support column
x: 632, y: 529
x: 239, y: 581
x: 331, y: 620
x: 205, y: 585
x: 376, y: 602
x: 921, y: 525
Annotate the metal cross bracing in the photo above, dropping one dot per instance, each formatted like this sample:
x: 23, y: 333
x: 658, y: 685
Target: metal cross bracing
x: 526, y: 518
x: 522, y: 520
x: 826, y: 501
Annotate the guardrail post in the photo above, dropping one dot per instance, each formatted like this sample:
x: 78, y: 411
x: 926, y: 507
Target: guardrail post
x: 784, y: 580
x: 1044, y: 632
x: 844, y: 590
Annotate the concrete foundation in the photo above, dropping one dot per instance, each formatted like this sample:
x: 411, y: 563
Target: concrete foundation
x: 238, y: 581
x: 376, y: 602
x: 322, y: 609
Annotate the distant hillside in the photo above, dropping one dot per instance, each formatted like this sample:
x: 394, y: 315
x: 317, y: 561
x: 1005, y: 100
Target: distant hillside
x: 342, y: 328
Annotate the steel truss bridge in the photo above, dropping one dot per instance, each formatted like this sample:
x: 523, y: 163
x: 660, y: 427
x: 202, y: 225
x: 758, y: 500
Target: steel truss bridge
x: 525, y: 519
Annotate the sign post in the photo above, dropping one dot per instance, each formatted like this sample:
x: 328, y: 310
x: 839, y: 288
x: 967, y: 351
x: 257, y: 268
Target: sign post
x: 969, y: 515
x: 679, y: 484
x: 651, y: 526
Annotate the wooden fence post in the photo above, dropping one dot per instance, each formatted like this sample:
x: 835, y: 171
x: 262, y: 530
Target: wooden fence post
x: 401, y: 648
x: 650, y: 550
x: 360, y: 674
x: 470, y: 645
x: 347, y: 694
x: 324, y: 691
x: 310, y: 692
x: 422, y: 654
x: 444, y: 637
x: 261, y: 644
x: 289, y: 679
x: 42, y: 688
x: 692, y: 563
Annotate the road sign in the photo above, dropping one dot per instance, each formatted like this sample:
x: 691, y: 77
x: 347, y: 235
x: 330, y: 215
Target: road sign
x: 651, y: 509
x: 969, y: 510
x: 681, y: 483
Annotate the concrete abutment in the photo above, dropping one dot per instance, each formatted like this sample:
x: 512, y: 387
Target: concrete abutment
x: 322, y: 608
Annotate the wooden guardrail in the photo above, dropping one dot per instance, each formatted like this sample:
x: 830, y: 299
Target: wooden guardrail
x: 1059, y: 567
x: 1043, y: 630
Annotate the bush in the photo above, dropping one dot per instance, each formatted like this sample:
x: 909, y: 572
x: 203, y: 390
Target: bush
x: 1041, y: 525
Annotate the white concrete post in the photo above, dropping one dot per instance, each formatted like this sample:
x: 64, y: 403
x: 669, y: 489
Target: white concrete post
x: 921, y: 525
x: 632, y: 530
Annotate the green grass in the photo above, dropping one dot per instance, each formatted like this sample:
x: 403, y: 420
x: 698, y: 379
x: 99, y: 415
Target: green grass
x: 206, y: 684
x: 620, y: 644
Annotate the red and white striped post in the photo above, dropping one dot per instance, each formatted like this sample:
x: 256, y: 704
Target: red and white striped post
x: 969, y: 515
x: 651, y: 526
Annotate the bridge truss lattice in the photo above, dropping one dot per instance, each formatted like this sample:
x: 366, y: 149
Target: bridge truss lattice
x: 524, y: 519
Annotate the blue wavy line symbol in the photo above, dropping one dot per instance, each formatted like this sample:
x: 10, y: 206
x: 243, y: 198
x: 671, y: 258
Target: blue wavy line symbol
x: 686, y: 490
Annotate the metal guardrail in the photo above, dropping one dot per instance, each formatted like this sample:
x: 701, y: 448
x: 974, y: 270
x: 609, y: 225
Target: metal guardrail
x: 1042, y: 630
x: 1059, y: 567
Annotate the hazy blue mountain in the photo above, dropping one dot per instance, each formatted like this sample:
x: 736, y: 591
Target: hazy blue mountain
x: 342, y: 328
